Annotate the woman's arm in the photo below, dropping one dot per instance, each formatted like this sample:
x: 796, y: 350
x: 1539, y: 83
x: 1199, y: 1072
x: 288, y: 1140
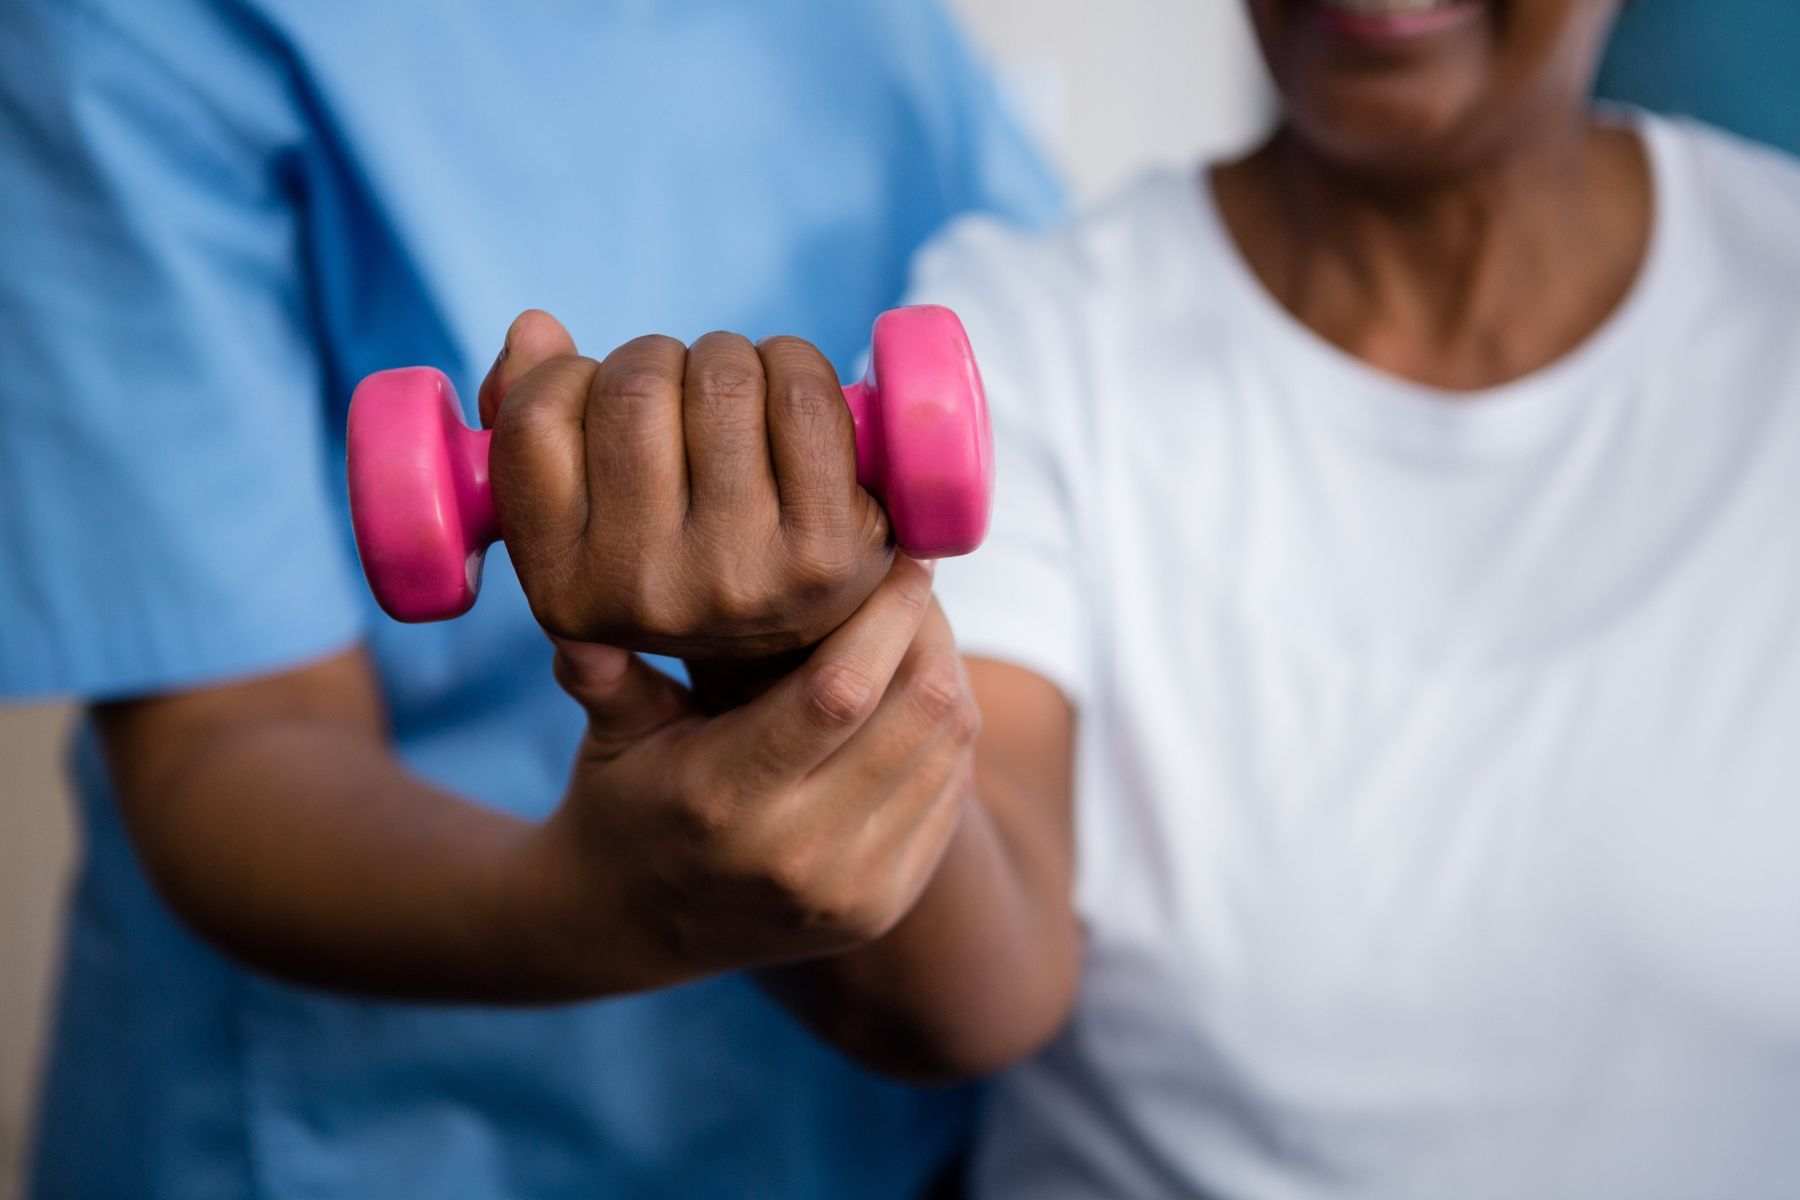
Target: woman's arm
x: 984, y: 968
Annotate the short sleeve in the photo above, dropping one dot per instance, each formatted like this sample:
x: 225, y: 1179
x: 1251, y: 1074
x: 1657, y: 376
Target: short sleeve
x: 166, y: 510
x: 999, y: 168
x: 1023, y: 597
x: 980, y: 157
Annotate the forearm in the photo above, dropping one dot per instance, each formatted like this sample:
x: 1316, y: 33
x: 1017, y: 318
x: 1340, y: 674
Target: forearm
x: 978, y: 974
x: 303, y: 848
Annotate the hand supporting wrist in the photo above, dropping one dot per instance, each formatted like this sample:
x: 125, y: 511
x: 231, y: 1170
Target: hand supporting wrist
x: 801, y: 823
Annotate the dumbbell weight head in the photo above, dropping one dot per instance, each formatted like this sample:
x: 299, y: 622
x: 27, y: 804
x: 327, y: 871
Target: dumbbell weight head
x: 924, y: 446
x: 420, y: 500
x: 423, y: 508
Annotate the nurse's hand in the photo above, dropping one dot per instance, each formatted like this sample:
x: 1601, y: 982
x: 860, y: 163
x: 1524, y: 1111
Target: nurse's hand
x: 694, y: 501
x: 803, y: 823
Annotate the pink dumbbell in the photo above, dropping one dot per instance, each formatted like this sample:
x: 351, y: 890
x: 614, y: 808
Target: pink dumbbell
x: 423, y: 508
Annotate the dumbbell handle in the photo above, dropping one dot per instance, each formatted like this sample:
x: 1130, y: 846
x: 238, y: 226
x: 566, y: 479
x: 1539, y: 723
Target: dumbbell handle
x: 468, y: 451
x: 422, y: 501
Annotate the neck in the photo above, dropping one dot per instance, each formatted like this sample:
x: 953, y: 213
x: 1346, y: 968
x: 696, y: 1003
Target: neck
x: 1464, y: 281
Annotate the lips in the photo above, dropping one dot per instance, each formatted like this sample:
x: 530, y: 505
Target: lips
x: 1396, y: 19
x: 1385, y: 8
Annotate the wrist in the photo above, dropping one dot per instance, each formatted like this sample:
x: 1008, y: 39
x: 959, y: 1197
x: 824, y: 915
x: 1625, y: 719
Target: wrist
x: 570, y: 921
x: 547, y: 911
x: 721, y: 684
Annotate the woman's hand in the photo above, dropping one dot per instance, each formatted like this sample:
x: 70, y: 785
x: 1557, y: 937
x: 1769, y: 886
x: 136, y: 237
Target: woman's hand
x: 699, y: 502
x: 804, y: 823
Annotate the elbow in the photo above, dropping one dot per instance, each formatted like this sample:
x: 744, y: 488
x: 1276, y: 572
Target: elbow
x: 965, y: 1045
x: 179, y: 881
x: 947, y: 1064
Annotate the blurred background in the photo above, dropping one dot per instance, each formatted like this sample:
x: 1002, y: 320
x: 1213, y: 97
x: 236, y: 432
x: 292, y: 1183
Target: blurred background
x: 1191, y: 85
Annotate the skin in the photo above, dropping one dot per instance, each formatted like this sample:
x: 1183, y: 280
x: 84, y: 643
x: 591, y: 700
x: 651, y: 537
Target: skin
x: 802, y: 823
x: 897, y: 869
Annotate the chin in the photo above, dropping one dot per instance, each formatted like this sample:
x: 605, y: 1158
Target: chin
x: 1389, y: 86
x: 1389, y: 128
x: 1411, y: 88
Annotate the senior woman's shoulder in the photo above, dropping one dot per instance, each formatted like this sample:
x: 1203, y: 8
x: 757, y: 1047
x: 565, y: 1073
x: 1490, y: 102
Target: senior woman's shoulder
x: 1125, y: 235
x: 1745, y: 195
x: 1042, y: 294
x: 1039, y: 305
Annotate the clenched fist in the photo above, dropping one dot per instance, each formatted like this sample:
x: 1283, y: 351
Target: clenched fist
x: 695, y: 501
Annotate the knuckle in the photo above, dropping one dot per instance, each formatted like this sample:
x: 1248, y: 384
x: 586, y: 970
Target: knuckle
x: 550, y: 380
x: 936, y: 689
x: 836, y: 906
x: 791, y: 351
x: 701, y: 815
x: 644, y: 370
x: 824, y: 897
x: 965, y: 726
x: 652, y: 348
x: 913, y: 586
x: 821, y: 564
x: 875, y: 532
x: 636, y: 385
x: 725, y: 364
x: 652, y: 607
x: 860, y: 918
x: 723, y: 341
x: 728, y: 576
x: 696, y: 787
x: 840, y: 695
x: 812, y: 409
x: 566, y: 372
x: 793, y: 877
x: 637, y: 611
x: 738, y: 603
x: 726, y: 384
x: 537, y: 409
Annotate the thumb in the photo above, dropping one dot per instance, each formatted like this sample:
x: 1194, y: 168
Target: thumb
x: 626, y: 699
x: 534, y: 337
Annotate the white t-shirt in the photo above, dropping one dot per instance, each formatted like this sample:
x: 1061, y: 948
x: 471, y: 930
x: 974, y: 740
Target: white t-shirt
x: 1439, y: 755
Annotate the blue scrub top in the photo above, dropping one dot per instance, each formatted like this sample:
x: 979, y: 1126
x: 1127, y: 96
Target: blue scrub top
x: 215, y: 217
x: 1734, y: 63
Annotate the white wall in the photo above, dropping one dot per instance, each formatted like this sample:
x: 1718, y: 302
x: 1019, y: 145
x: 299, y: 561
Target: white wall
x: 36, y: 846
x: 1114, y: 84
x: 1122, y: 83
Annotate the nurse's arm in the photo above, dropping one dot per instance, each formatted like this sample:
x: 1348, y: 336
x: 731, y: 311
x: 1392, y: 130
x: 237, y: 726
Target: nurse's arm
x: 984, y: 968
x: 275, y: 819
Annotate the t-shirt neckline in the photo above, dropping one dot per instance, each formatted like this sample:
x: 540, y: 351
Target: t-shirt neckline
x: 1486, y: 419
